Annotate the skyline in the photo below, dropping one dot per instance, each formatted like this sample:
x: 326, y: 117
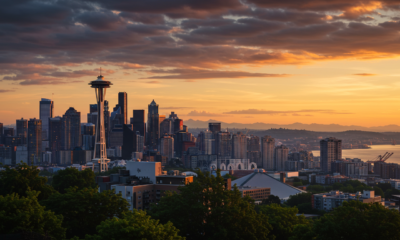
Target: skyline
x: 276, y: 62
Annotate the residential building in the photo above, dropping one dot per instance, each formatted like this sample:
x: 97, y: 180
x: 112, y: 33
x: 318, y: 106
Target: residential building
x: 256, y: 193
x: 331, y: 200
x: 239, y: 146
x: 281, y: 154
x: 167, y: 146
x: 267, y: 153
x: 331, y: 150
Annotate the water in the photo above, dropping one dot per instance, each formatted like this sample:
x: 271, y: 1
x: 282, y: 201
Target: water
x: 371, y: 153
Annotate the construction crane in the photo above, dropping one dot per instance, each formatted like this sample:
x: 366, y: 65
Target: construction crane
x: 381, y: 158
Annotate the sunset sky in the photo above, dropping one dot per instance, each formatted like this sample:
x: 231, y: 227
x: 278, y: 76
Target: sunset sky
x: 286, y: 61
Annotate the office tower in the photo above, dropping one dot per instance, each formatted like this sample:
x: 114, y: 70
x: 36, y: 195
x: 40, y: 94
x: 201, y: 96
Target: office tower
x: 138, y: 122
x: 214, y: 127
x: 139, y: 143
x: 46, y: 112
x: 6, y: 155
x: 178, y: 125
x: 166, y: 127
x: 253, y: 150
x: 167, y: 147
x: 34, y: 141
x: 173, y: 116
x: 331, y: 150
x: 21, y: 154
x: 239, y: 146
x: 267, y: 152
x: 92, y: 108
x: 153, y: 126
x: 224, y: 144
x: 123, y: 103
x: 1, y: 133
x: 88, y: 136
x: 100, y: 159
x: 129, y: 144
x: 81, y: 156
x: 9, y: 132
x: 107, y: 123
x: 72, y: 129
x: 280, y: 157
x: 116, y: 118
x: 56, y: 133
x: 22, y: 129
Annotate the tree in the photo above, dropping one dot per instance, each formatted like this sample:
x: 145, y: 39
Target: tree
x: 72, y: 177
x: 283, y: 220
x: 298, y: 199
x: 23, y: 178
x: 136, y: 225
x: 357, y: 220
x: 379, y: 192
x: 271, y: 199
x: 19, y: 214
x: 84, y: 209
x: 205, y: 209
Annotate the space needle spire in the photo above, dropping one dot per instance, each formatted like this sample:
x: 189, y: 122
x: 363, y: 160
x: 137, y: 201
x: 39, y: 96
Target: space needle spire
x: 99, y: 154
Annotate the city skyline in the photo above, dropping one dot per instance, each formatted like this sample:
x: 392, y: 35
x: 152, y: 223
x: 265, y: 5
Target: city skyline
x: 275, y: 62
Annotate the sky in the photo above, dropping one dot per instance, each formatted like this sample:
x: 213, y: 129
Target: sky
x: 248, y: 61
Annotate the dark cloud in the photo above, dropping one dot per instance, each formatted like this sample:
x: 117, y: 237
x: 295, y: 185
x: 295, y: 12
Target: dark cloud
x: 202, y: 114
x: 100, y: 21
x: 207, y: 74
x: 6, y: 90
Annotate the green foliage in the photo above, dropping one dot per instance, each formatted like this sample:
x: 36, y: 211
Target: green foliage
x: 384, y: 186
x: 297, y: 184
x: 229, y: 176
x: 72, y: 177
x: 316, y: 189
x: 23, y: 178
x: 298, y: 199
x: 85, y: 209
x: 357, y: 220
x: 390, y: 192
x: 283, y: 220
x: 379, y: 192
x: 136, y: 225
x: 206, y: 210
x: 25, y: 214
x: 272, y: 199
x: 303, y: 232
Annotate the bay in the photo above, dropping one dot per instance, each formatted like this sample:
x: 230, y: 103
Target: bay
x: 371, y: 153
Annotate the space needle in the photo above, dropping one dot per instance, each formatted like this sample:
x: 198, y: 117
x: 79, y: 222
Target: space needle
x: 100, y: 154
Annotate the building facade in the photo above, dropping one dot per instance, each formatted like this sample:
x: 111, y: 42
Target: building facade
x: 45, y: 112
x: 331, y: 150
x: 267, y: 152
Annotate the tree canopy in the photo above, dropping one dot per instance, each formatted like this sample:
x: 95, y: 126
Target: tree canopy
x: 136, y: 225
x: 282, y: 219
x: 26, y: 214
x: 72, y: 177
x: 23, y: 178
x: 85, y: 209
x: 271, y: 199
x: 205, y: 209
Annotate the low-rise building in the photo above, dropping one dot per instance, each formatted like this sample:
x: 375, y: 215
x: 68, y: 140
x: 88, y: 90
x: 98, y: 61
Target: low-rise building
x: 334, y: 199
x: 256, y: 193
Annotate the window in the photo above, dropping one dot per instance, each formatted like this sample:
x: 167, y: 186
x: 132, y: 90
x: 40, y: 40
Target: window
x: 139, y: 197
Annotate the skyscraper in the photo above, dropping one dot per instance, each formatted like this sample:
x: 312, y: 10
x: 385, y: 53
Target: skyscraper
x: 153, y: 126
x: 123, y: 103
x: 34, y: 141
x: 166, y: 127
x: 280, y: 157
x: 107, y: 123
x: 178, y: 125
x: 224, y: 144
x: 267, y: 152
x: 55, y: 134
x: 129, y: 141
x: 167, y: 146
x: 72, y: 129
x: 1, y: 133
x: 253, y: 150
x: 331, y: 150
x: 22, y: 130
x: 46, y: 112
x: 138, y: 122
x: 214, y: 127
x: 239, y: 146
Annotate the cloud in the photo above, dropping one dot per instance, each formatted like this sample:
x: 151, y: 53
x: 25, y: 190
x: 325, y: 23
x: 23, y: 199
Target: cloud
x: 207, y: 74
x: 283, y: 113
x: 6, y: 90
x: 202, y: 114
x: 153, y: 82
x: 365, y: 74
x: 174, y: 108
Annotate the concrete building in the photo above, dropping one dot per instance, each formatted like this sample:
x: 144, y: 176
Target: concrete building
x: 267, y: 152
x: 281, y: 154
x: 71, y: 125
x: 34, y: 141
x: 167, y: 146
x: 239, y: 146
x: 334, y: 199
x: 253, y: 150
x: 45, y: 112
x: 22, y: 130
x: 256, y: 193
x: 6, y: 155
x: 331, y: 150
x: 153, y: 126
x: 144, y: 169
x: 224, y: 144
x: 138, y: 122
x: 21, y: 154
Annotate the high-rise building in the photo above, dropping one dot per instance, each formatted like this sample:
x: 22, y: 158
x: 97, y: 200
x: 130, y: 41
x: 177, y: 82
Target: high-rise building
x: 92, y: 108
x: 22, y: 130
x: 9, y: 132
x: 239, y: 146
x: 267, y: 152
x: 34, y: 141
x: 123, y: 103
x: 107, y: 123
x: 55, y: 134
x: 280, y: 157
x: 166, y: 127
x: 129, y: 144
x: 153, y: 126
x: 178, y: 125
x: 72, y: 129
x: 138, y: 122
x: 206, y: 142
x: 173, y: 116
x: 46, y: 112
x: 224, y: 144
x: 331, y: 150
x: 253, y: 150
x: 214, y: 127
x: 88, y: 136
x: 167, y: 146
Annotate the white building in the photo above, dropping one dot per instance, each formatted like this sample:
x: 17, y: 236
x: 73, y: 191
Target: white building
x: 144, y: 169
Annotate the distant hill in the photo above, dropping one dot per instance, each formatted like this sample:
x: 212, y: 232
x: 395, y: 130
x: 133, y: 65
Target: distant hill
x: 310, y: 127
